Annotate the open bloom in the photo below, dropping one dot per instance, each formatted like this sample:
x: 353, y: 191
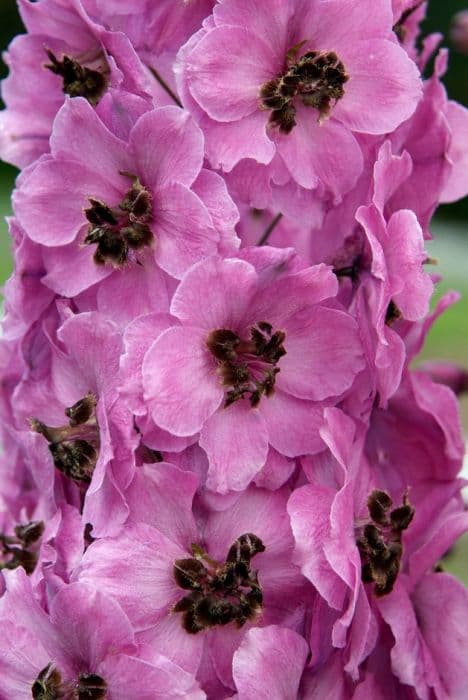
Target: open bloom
x: 306, y: 76
x: 64, y: 53
x: 256, y: 353
x: 44, y: 656
x: 114, y: 202
x: 194, y: 589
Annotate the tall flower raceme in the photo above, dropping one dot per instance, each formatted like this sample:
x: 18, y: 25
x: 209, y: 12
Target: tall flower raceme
x: 221, y: 476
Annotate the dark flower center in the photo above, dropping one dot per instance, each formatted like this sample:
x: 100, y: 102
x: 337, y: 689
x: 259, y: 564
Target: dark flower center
x: 220, y: 593
x: 380, y: 544
x: 78, y: 79
x: 399, y: 28
x: 116, y: 231
x: 21, y: 548
x: 74, y: 447
x: 316, y: 79
x: 248, y: 367
x: 393, y: 313
x: 49, y: 686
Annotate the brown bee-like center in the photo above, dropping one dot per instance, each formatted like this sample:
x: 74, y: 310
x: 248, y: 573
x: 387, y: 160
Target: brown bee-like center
x: 220, y: 593
x: 380, y: 542
x: 116, y: 231
x: 248, y: 368
x: 80, y: 80
x: 317, y: 79
x: 74, y: 447
x: 50, y: 686
x: 21, y: 549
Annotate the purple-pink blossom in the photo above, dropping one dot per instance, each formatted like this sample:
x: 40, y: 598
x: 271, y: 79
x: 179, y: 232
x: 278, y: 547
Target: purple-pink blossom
x: 224, y: 472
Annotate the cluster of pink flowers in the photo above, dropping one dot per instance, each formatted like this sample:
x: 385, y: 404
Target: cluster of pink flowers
x: 221, y: 478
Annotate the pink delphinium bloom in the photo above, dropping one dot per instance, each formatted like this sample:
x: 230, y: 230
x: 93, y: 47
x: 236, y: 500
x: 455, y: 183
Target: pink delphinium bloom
x: 306, y: 76
x: 64, y: 53
x: 84, y: 648
x: 79, y: 440
x: 367, y: 546
x: 43, y: 546
x: 256, y: 358
x: 194, y: 589
x: 117, y: 203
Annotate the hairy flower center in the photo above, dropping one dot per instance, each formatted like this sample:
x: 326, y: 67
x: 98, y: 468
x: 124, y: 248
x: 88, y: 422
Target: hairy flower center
x: 21, y: 548
x: 380, y: 543
x: 248, y: 367
x: 49, y: 686
x: 75, y: 446
x: 316, y: 79
x: 220, y: 592
x: 80, y: 80
x: 116, y: 231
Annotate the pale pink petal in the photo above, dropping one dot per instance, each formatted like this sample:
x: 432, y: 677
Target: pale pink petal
x: 324, y: 153
x: 219, y: 280
x: 256, y: 677
x: 383, y: 90
x: 227, y: 89
x: 323, y: 354
x: 235, y: 440
x: 293, y: 424
x: 182, y: 228
x: 180, y: 382
x: 168, y: 147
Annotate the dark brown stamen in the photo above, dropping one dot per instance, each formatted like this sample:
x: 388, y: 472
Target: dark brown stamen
x: 74, y: 447
x: 393, y: 313
x: 21, y: 549
x: 117, y: 231
x: 79, y: 80
x: 380, y: 542
x: 248, y: 367
x: 48, y: 684
x: 351, y: 271
x: 219, y: 593
x: 399, y: 28
x: 316, y: 79
x: 90, y: 686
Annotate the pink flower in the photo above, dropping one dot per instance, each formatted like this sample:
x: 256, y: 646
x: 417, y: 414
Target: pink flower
x: 259, y: 363
x: 64, y: 53
x: 96, y: 656
x: 120, y: 203
x: 305, y: 77
x: 194, y: 589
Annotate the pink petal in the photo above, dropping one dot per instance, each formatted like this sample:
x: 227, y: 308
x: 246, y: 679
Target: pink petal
x: 293, y: 424
x: 66, y: 182
x: 183, y: 229
x: 99, y: 624
x: 140, y: 555
x: 221, y: 280
x: 168, y: 147
x: 441, y: 604
x: 226, y: 70
x: 235, y: 440
x: 78, y: 134
x: 180, y: 382
x: 162, y: 496
x: 323, y: 354
x: 256, y: 677
x: 324, y: 153
x: 383, y: 90
x: 157, y: 681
